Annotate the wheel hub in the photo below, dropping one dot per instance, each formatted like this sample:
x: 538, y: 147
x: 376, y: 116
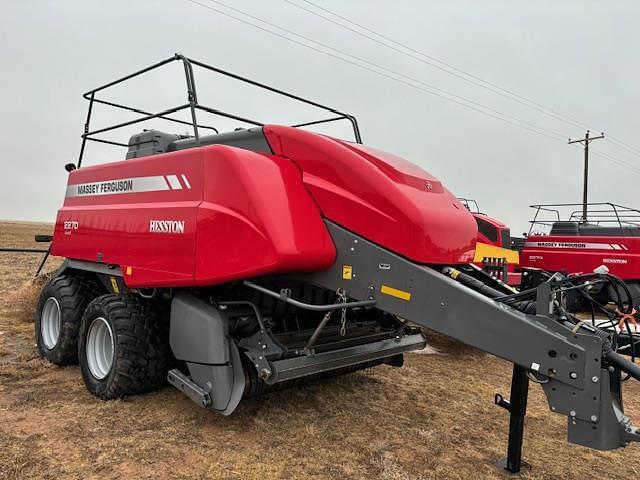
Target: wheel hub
x: 99, y: 348
x: 50, y: 323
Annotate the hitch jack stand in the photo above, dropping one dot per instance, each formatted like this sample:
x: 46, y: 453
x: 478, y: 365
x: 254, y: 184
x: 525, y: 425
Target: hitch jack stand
x: 43, y: 261
x: 517, y: 407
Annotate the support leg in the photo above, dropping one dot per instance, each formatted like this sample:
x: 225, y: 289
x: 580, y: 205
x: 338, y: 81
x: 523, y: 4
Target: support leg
x: 517, y: 407
x: 43, y: 261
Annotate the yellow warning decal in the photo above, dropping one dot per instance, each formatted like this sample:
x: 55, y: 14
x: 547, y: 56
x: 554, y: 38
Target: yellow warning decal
x: 394, y: 292
x: 454, y: 273
x: 114, y: 285
x: 484, y: 250
x: 347, y: 272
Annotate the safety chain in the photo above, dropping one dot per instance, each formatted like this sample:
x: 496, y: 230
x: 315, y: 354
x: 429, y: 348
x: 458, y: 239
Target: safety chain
x: 342, y: 298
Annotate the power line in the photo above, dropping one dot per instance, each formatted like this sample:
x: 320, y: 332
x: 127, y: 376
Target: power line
x: 448, y: 68
x: 380, y: 70
x: 624, y: 146
x: 622, y: 163
x: 505, y: 118
x: 437, y: 63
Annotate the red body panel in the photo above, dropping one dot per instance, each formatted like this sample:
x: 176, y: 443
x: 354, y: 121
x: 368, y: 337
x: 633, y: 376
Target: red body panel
x: 214, y: 214
x: 256, y: 206
x: 497, y: 225
x: 581, y: 254
x: 380, y: 196
x: 245, y: 214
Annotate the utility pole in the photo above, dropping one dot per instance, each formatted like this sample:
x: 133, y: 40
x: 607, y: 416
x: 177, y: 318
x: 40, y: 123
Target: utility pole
x: 585, y: 141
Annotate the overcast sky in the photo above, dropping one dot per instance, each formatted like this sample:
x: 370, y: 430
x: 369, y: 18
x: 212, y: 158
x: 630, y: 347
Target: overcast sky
x: 579, y: 59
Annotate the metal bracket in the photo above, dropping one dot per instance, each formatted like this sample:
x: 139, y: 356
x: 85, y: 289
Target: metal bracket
x: 258, y: 347
x: 501, y: 402
x: 188, y: 387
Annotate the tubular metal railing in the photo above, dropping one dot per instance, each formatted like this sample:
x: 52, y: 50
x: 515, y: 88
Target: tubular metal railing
x: 193, y: 105
x: 603, y: 214
x: 470, y: 204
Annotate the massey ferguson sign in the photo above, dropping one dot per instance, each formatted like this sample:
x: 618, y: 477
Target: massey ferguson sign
x: 577, y: 245
x: 130, y: 185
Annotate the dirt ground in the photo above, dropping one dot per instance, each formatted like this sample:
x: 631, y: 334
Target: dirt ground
x: 432, y: 419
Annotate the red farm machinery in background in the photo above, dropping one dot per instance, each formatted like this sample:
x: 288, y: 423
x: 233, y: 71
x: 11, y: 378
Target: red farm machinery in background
x: 561, y: 239
x: 576, y: 239
x: 494, y: 252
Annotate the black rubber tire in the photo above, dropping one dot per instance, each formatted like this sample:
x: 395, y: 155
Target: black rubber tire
x: 73, y: 293
x: 142, y: 355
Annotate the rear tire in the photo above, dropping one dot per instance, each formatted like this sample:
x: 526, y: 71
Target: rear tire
x: 62, y: 302
x: 124, y: 346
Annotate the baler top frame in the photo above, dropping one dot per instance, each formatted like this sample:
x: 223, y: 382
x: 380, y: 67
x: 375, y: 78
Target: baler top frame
x: 194, y: 105
x: 470, y: 204
x: 601, y: 213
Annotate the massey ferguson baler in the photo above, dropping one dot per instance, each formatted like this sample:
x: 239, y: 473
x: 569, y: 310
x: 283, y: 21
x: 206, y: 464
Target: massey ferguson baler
x: 561, y: 238
x: 235, y: 263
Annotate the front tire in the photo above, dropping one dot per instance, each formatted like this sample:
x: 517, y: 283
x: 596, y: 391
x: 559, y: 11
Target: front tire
x: 123, y: 346
x: 60, y: 307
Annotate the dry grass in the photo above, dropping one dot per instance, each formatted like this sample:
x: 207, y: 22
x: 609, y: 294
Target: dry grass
x: 24, y: 299
x: 432, y: 419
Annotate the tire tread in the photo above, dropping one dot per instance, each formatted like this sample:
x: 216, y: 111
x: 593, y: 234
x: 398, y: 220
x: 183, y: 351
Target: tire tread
x: 73, y: 292
x: 143, y: 355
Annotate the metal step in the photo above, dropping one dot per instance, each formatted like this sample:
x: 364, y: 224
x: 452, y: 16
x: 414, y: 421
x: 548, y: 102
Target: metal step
x: 304, y: 365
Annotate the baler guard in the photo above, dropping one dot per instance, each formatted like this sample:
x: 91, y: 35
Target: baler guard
x: 194, y: 106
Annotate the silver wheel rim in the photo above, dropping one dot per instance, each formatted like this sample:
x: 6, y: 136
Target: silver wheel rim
x: 50, y: 322
x: 99, y: 348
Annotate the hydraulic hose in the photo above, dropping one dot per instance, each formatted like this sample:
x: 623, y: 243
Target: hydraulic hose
x: 526, y: 306
x: 609, y: 353
x: 622, y: 363
x: 473, y: 283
